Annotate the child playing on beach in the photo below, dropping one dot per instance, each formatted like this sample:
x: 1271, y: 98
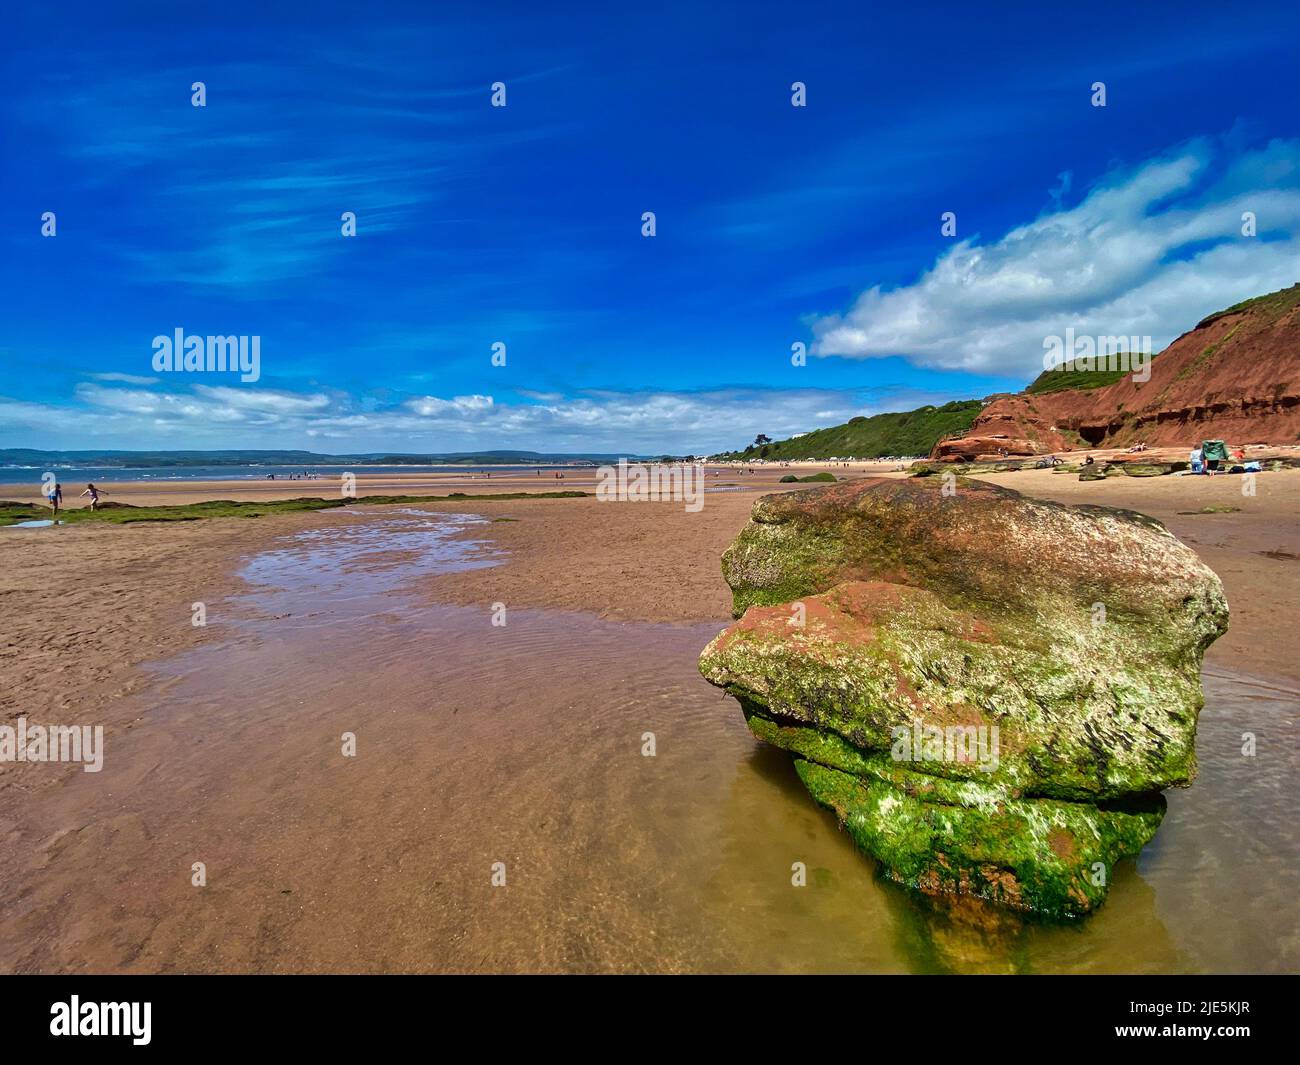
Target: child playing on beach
x: 93, y: 492
x: 56, y: 498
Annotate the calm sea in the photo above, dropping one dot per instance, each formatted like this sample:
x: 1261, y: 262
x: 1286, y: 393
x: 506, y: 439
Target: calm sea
x: 90, y: 474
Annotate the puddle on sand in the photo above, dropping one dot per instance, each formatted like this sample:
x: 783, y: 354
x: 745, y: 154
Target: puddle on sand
x: 523, y: 744
x: 342, y: 572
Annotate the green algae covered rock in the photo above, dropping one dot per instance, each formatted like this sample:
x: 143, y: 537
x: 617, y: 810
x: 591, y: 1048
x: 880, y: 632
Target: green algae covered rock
x: 989, y: 690
x: 812, y: 478
x: 1040, y: 855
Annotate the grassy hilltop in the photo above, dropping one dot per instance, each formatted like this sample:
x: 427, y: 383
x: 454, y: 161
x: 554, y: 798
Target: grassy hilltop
x: 912, y: 432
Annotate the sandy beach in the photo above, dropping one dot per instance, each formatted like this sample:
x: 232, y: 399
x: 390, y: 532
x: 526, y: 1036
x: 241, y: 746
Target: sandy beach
x: 641, y: 562
x: 206, y: 726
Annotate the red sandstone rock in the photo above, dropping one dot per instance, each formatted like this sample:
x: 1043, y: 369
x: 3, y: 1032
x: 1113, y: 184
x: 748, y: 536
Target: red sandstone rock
x: 1235, y: 377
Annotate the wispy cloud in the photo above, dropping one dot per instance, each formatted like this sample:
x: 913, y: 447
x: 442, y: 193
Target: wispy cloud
x: 124, y: 378
x: 247, y: 193
x: 1148, y: 252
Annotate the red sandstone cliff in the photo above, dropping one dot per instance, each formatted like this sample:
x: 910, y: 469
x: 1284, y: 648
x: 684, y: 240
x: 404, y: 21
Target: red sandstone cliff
x: 1235, y: 377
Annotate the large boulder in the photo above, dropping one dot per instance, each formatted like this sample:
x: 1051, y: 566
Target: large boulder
x: 989, y: 690
x: 978, y: 448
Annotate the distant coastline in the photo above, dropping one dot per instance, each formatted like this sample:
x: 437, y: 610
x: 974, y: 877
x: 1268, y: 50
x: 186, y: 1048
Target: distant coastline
x: 110, y: 458
x: 21, y: 475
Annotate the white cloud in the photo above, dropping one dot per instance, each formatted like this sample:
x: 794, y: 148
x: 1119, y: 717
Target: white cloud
x: 649, y: 422
x: 124, y: 378
x: 264, y: 400
x: 1148, y: 252
x: 432, y: 405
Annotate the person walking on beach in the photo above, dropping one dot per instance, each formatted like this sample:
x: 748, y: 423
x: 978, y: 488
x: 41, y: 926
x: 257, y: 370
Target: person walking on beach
x: 56, y: 497
x: 93, y: 492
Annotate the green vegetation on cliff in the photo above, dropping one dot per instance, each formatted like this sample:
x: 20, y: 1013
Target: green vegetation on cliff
x: 1073, y: 380
x: 913, y: 432
x: 1271, y: 306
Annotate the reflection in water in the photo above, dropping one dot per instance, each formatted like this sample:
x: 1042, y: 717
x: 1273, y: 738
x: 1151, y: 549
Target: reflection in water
x: 341, y: 570
x: 1216, y: 890
x: 524, y: 744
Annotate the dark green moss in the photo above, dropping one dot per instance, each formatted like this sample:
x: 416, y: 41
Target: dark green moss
x: 1050, y: 858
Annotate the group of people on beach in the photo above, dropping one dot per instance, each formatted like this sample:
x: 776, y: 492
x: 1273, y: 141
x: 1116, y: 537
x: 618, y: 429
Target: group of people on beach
x: 55, y: 496
x: 1210, y: 466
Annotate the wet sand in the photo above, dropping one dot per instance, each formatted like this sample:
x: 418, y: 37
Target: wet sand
x: 523, y: 744
x: 471, y: 480
x: 69, y: 592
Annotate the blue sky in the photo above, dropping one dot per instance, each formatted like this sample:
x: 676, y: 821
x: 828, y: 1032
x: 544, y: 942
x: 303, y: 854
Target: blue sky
x: 522, y: 224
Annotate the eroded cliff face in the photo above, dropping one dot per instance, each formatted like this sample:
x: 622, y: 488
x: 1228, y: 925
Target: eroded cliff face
x: 1235, y: 377
x: 990, y: 691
